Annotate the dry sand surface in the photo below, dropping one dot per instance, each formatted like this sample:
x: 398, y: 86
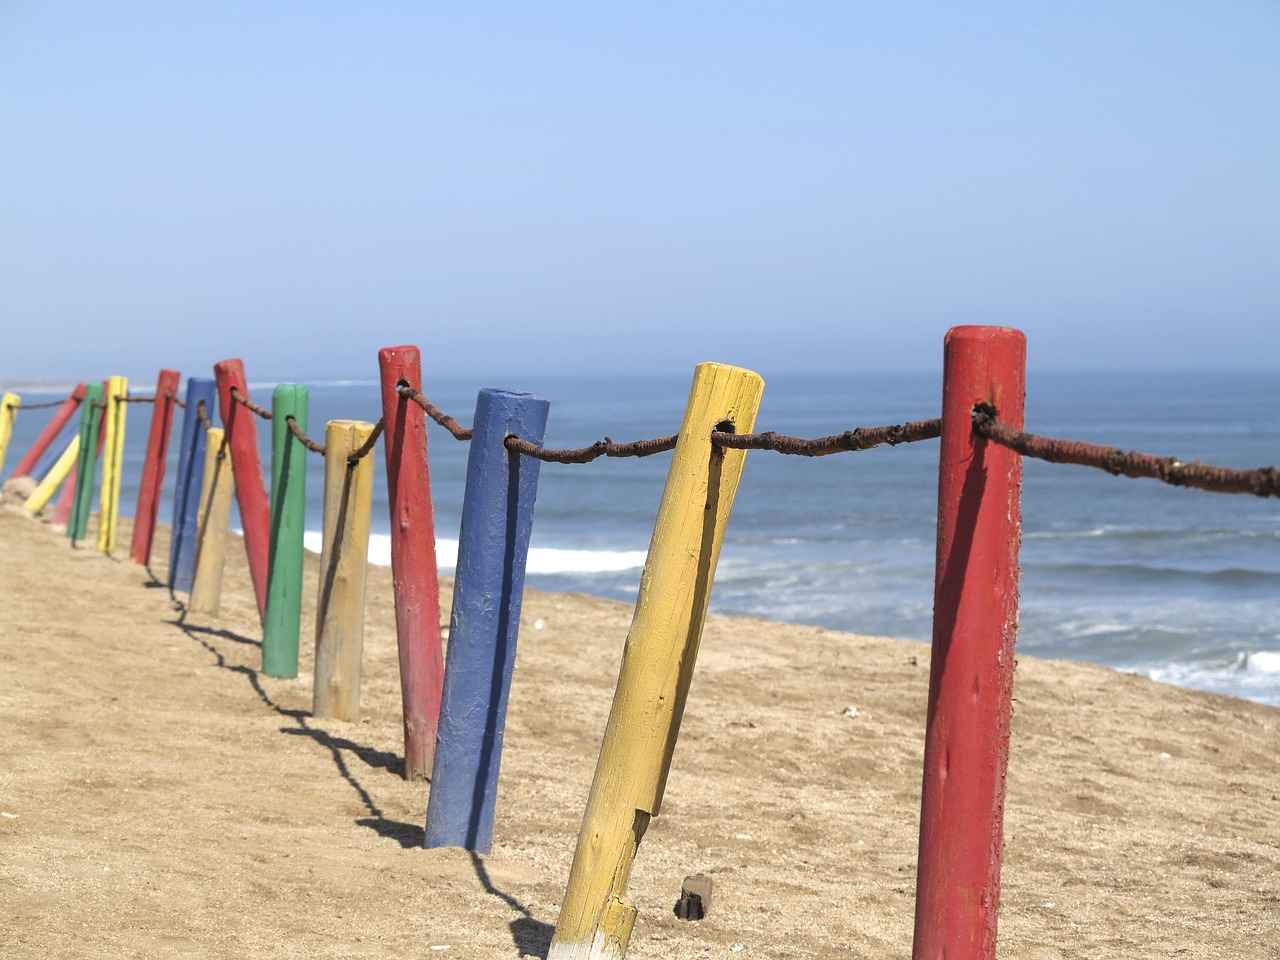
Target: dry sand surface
x: 162, y: 798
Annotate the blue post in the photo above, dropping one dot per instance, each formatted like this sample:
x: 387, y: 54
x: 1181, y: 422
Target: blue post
x: 497, y: 517
x: 186, y: 493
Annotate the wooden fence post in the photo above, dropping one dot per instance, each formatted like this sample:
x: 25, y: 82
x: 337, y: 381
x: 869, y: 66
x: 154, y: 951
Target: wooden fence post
x: 414, y: 574
x: 971, y: 673
x: 9, y: 403
x: 493, y: 546
x: 112, y: 462
x: 46, y: 488
x: 186, y: 491
x: 50, y: 432
x: 67, y: 498
x: 213, y: 521
x: 153, y: 467
x: 596, y: 919
x: 344, y: 560
x: 282, y: 625
x: 90, y: 421
x: 251, y: 495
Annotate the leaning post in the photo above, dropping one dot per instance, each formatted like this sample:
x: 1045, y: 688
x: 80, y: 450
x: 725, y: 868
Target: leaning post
x: 596, y: 919
x: 251, y: 494
x: 48, y: 486
x: 186, y: 491
x: 975, y: 623
x: 493, y: 547
x: 59, y: 420
x: 414, y: 574
x: 153, y: 467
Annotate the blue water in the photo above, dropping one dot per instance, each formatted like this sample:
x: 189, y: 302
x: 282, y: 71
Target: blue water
x: 1180, y: 585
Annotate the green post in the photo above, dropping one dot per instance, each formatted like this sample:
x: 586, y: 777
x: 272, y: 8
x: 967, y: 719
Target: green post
x: 90, y: 425
x: 283, y: 621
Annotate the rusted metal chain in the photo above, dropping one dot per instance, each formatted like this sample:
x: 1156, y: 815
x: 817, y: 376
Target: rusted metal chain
x: 862, y: 438
x: 434, y: 412
x: 202, y: 412
x: 302, y: 438
x: 355, y: 456
x: 1263, y: 482
x: 99, y: 404
x: 175, y: 398
x: 135, y: 399
x: 246, y: 402
x: 601, y: 448
x: 35, y: 406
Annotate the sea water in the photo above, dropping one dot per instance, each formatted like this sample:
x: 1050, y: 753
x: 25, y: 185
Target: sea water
x: 1180, y: 585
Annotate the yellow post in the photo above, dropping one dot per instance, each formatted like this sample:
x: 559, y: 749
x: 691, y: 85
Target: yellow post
x: 53, y: 479
x: 9, y: 404
x: 344, y: 558
x: 211, y: 527
x: 112, y: 460
x: 596, y: 919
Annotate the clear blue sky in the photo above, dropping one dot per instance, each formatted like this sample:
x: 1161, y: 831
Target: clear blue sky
x: 565, y: 186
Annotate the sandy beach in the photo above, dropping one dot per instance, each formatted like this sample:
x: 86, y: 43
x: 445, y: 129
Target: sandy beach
x: 161, y: 798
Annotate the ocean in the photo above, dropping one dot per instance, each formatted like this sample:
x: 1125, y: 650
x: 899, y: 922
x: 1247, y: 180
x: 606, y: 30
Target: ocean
x: 1180, y: 585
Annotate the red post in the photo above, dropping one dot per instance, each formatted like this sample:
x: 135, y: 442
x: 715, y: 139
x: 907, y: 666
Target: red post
x: 144, y: 517
x: 66, y: 499
x: 241, y: 428
x: 49, y: 433
x: 413, y: 559
x: 975, y: 621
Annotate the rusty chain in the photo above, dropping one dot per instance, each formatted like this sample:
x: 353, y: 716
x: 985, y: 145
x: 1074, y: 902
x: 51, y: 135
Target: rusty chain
x: 202, y: 411
x: 35, y: 406
x: 355, y: 456
x: 434, y: 412
x: 246, y: 402
x: 1262, y: 482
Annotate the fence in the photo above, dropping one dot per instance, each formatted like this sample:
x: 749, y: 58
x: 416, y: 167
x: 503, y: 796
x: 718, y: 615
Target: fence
x: 455, y: 710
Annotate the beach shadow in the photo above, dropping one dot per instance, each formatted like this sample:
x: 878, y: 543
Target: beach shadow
x: 192, y: 629
x: 532, y: 937
x: 338, y: 747
x: 411, y: 836
x: 378, y: 759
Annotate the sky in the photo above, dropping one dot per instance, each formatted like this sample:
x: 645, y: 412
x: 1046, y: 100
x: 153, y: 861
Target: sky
x: 603, y: 188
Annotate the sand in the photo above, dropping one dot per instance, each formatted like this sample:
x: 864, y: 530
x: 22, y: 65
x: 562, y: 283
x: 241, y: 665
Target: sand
x: 162, y: 798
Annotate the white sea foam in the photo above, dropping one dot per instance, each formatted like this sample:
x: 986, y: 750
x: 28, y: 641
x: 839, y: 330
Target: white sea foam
x: 1263, y: 661
x: 542, y: 560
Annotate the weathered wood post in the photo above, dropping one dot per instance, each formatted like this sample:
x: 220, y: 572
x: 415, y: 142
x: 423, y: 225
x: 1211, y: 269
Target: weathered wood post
x: 975, y: 622
x: 596, y: 919
x: 59, y: 420
x: 344, y: 560
x: 67, y: 498
x: 282, y: 625
x: 213, y: 521
x: 186, y: 491
x: 46, y: 488
x: 153, y: 467
x: 414, y: 574
x: 9, y: 403
x: 112, y: 462
x: 493, y: 547
x: 90, y: 429
x: 251, y: 495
